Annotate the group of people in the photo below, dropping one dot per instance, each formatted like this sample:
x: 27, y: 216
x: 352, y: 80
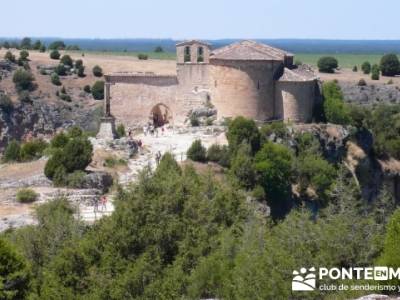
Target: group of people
x: 102, y: 202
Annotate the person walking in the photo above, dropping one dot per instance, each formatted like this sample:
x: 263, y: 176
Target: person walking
x: 103, y: 203
x: 158, y: 157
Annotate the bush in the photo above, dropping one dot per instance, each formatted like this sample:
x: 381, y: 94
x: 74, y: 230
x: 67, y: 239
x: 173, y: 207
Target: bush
x: 98, y: 90
x: 78, y: 63
x: 9, y: 56
x: 97, y: 71
x: 32, y: 150
x: 23, y: 80
x: 194, y: 121
x: 158, y: 49
x: 37, y: 45
x: 65, y: 97
x: 67, y: 60
x: 242, y: 167
x: 327, y: 64
x: 219, y: 154
x: 362, y: 82
x: 23, y: 55
x: 142, y: 56
x: 355, y: 69
x: 60, y: 70
x: 55, y: 54
x: 55, y: 79
x: 120, y: 130
x: 26, y: 43
x: 390, y: 65
x: 42, y: 49
x: 335, y: 109
x: 366, y: 67
x: 12, y: 152
x: 59, y: 140
x: 197, y: 152
x: 6, y: 104
x: 375, y: 72
x: 80, y: 71
x: 24, y: 97
x: 26, y: 196
x: 75, y: 179
x: 87, y: 89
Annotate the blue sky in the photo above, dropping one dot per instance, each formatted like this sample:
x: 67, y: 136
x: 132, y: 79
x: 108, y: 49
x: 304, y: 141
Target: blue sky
x: 207, y: 19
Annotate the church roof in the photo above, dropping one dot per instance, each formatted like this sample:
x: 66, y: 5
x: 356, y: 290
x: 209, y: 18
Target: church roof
x: 301, y: 73
x: 191, y: 42
x: 249, y: 50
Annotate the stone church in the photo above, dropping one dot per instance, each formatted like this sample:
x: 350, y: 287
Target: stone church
x: 242, y: 79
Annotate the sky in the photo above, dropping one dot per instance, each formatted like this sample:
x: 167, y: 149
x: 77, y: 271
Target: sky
x: 202, y: 19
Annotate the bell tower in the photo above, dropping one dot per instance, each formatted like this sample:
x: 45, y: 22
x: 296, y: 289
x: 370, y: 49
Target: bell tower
x: 193, y: 52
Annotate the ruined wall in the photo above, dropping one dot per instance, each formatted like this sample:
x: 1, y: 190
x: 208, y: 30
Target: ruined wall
x: 295, y: 100
x: 131, y: 103
x: 243, y: 88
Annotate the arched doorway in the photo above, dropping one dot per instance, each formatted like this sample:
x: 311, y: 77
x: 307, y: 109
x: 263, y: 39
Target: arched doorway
x: 160, y: 115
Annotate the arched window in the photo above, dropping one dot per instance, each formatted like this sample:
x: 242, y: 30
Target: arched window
x: 200, y: 54
x: 187, y: 57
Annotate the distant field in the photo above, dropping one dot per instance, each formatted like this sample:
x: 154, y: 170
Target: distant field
x: 152, y: 55
x: 345, y: 60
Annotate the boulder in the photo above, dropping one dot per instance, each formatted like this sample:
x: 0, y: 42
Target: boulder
x: 97, y: 180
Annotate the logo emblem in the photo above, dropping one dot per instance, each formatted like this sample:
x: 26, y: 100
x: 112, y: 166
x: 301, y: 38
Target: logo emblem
x: 304, y: 280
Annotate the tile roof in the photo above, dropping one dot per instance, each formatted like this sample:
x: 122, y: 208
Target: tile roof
x: 302, y: 73
x: 249, y: 50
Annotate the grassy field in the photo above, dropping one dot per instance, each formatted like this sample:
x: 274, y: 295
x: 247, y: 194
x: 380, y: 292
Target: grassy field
x: 345, y: 60
x: 152, y: 55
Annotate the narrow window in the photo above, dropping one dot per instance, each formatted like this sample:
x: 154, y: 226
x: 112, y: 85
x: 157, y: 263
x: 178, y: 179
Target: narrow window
x: 200, y: 54
x: 187, y: 57
x: 258, y: 84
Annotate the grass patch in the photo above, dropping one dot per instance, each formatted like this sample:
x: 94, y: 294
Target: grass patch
x: 26, y: 196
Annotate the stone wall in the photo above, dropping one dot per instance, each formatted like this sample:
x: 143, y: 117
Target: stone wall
x: 132, y: 103
x: 243, y: 88
x: 295, y: 100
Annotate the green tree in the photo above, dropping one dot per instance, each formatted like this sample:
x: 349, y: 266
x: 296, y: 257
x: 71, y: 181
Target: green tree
x: 390, y: 65
x: 9, y: 56
x: 23, y: 55
x: 366, y: 67
x: 375, y: 72
x: 98, y: 90
x: 273, y: 163
x: 158, y: 49
x: 54, y: 54
x: 97, y: 71
x: 55, y: 79
x: 335, y: 110
x: 37, y: 45
x: 67, y: 60
x: 26, y: 43
x: 14, y: 273
x: 242, y: 130
x: 197, y: 152
x: 327, y: 64
x: 242, y: 167
x: 57, y: 45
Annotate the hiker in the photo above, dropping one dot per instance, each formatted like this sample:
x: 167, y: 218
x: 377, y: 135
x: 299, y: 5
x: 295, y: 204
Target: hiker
x: 140, y: 144
x: 130, y: 133
x: 104, y: 203
x: 96, y: 205
x: 145, y: 130
x: 158, y: 157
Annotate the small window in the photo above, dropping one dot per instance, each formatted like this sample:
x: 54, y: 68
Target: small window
x: 187, y: 57
x: 258, y: 84
x: 200, y: 54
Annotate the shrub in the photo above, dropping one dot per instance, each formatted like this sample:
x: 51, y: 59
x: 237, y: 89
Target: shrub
x: 76, y: 179
x: 366, y: 67
x: 87, y: 89
x: 60, y: 70
x: 37, y: 45
x: 65, y: 97
x: 32, y: 150
x: 194, y: 121
x: 142, y: 56
x: 55, y: 79
x: 59, y: 140
x: 55, y: 54
x: 197, y: 152
x: 6, y: 45
x: 390, y: 82
x: 219, y: 154
x: 390, y: 65
x: 120, y: 130
x: 78, y: 63
x: 80, y: 71
x: 9, y: 56
x: 23, y: 80
x: 242, y: 167
x: 355, y: 69
x: 5, y: 103
x: 26, y: 196
x: 12, y: 152
x: 375, y: 72
x: 362, y: 82
x: 98, y: 90
x: 327, y: 64
x: 42, y: 49
x: 67, y: 60
x: 97, y: 71
x: 23, y: 55
x: 24, y: 97
x: 26, y: 43
x: 158, y: 49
